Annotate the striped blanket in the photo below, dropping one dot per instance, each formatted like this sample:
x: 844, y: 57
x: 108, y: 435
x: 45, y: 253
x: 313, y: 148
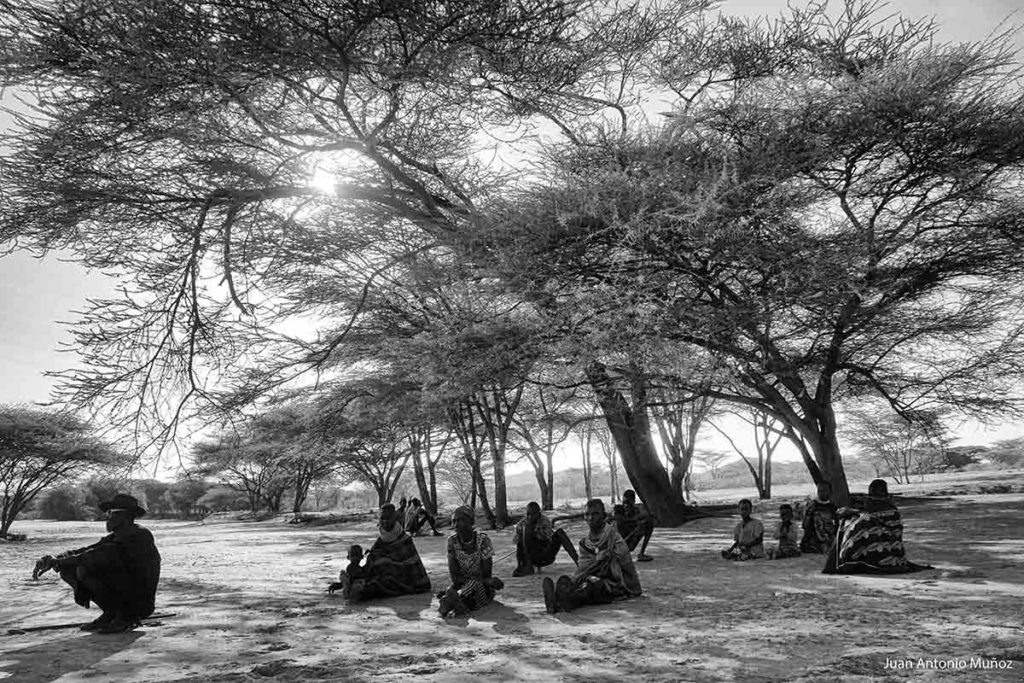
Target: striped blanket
x: 870, y: 542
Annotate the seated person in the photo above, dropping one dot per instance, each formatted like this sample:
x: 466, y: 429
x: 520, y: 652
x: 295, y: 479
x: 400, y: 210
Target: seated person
x: 820, y: 522
x: 392, y: 566
x: 401, y: 510
x: 119, y: 573
x: 537, y: 542
x: 605, y: 572
x: 416, y: 516
x: 353, y: 571
x: 785, y: 533
x: 748, y: 536
x: 470, y: 561
x: 870, y: 538
x: 634, y: 524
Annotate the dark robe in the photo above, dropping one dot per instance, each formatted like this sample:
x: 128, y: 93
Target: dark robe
x: 119, y: 573
x: 394, y: 568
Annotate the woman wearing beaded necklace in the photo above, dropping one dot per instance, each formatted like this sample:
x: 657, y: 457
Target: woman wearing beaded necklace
x: 605, y: 572
x: 470, y: 560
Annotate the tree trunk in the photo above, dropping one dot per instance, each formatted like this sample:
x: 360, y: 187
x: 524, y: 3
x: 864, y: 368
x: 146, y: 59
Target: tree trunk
x: 613, y: 462
x: 808, y: 458
x: 301, y: 492
x: 587, y: 465
x: 632, y: 433
x: 421, y: 479
x: 548, y: 493
x: 481, y: 492
x: 830, y: 462
x: 545, y: 493
x: 432, y: 470
x: 500, y: 490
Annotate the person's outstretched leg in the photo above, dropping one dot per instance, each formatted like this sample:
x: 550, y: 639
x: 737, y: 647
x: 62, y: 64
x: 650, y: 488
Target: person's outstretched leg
x: 647, y: 531
x: 432, y: 522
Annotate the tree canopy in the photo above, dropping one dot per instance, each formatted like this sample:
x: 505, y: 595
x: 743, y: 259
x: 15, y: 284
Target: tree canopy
x: 38, y: 449
x: 783, y: 215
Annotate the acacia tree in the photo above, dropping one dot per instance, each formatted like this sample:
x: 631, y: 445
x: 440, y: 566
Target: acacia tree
x: 458, y: 477
x: 39, y: 449
x: 233, y: 160
x: 378, y: 459
x: 589, y: 431
x: 832, y: 211
x: 767, y: 436
x: 248, y: 462
x: 540, y: 428
x: 900, y: 445
x: 473, y: 445
x: 679, y: 419
x: 182, y: 495
x: 361, y: 422
x: 427, y: 445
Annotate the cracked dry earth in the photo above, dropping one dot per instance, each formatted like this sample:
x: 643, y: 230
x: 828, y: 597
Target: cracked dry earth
x: 249, y: 604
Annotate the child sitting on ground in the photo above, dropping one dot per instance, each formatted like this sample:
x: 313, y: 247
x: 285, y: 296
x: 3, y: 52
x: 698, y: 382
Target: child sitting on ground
x: 748, y: 536
x: 786, y: 534
x: 353, y: 571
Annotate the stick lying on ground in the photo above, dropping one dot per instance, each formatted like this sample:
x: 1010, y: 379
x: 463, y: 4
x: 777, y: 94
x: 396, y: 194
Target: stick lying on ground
x: 75, y: 624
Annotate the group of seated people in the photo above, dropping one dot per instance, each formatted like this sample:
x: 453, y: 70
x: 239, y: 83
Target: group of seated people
x: 604, y: 573
x: 867, y: 538
x: 864, y: 538
x: 119, y: 574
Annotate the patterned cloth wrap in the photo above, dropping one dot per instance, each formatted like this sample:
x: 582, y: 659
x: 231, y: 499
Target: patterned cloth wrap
x: 870, y: 542
x: 468, y: 576
x: 614, y: 568
x: 819, y: 526
x: 394, y: 567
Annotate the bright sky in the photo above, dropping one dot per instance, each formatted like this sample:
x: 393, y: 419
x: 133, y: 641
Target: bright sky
x: 37, y: 294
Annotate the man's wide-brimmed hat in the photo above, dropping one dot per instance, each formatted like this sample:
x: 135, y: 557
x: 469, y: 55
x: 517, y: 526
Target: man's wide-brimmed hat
x: 122, y: 501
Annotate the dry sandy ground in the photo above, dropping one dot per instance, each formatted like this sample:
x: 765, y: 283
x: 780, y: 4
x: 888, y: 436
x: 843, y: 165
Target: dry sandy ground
x: 249, y: 604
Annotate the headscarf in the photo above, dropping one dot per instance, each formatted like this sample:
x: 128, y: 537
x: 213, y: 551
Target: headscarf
x: 463, y: 511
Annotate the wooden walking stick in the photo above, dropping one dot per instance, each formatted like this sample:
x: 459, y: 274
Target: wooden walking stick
x: 73, y: 624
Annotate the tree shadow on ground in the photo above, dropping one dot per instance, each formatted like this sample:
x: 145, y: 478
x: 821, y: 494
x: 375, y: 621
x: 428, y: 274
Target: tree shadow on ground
x: 408, y: 607
x: 505, y: 619
x: 61, y: 654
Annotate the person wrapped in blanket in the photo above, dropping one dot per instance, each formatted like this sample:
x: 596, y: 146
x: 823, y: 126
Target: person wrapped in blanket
x: 392, y: 567
x: 605, y: 570
x: 820, y: 522
x: 470, y: 560
x: 870, y: 538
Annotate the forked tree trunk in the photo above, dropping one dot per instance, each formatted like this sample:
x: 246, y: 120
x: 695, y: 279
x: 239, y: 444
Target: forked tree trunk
x: 830, y: 461
x: 631, y: 430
